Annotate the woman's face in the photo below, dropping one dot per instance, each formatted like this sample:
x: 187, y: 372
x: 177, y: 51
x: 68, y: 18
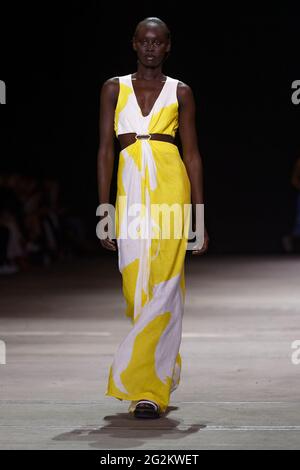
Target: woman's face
x: 151, y: 44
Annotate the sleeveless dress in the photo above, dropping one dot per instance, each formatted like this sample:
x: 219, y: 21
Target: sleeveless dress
x: 147, y: 364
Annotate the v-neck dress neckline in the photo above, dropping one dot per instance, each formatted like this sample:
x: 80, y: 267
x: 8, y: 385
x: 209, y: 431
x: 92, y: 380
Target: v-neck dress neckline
x: 136, y: 101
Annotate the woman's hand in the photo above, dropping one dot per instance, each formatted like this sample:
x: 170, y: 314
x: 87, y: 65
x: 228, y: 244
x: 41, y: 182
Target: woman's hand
x: 204, y: 247
x: 107, y: 243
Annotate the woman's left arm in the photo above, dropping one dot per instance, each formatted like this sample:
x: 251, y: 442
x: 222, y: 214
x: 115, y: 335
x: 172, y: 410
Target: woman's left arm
x: 191, y: 154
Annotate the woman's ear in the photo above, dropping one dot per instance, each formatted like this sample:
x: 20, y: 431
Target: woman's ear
x: 168, y: 50
x: 133, y: 44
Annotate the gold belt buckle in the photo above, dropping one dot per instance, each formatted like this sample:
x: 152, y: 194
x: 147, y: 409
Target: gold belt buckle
x: 143, y: 136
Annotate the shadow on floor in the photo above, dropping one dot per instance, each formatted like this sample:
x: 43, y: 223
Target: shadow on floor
x: 123, y: 431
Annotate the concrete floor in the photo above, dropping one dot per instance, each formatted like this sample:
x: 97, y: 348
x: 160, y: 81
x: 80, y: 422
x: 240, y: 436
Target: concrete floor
x: 239, y: 388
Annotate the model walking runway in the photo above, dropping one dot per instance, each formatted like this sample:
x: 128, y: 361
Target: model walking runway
x: 157, y: 189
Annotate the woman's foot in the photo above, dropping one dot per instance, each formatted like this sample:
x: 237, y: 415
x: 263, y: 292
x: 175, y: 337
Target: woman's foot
x: 146, y: 409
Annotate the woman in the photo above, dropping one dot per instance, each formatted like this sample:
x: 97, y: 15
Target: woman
x: 144, y: 110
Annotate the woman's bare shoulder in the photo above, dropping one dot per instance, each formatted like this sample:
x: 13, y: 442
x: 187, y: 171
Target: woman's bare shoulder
x: 110, y: 87
x: 184, y: 92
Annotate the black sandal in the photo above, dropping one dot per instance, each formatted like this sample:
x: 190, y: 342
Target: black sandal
x: 146, y: 409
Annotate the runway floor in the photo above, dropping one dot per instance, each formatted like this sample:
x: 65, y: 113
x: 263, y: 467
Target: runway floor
x: 239, y: 387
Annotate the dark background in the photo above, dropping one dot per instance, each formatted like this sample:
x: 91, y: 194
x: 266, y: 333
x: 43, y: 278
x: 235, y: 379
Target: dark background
x: 240, y: 65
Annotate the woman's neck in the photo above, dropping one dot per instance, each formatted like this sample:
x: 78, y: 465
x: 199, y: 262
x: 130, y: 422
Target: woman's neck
x: 147, y: 73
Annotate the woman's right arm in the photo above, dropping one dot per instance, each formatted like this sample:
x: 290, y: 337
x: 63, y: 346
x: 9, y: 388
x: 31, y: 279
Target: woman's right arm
x: 105, y: 156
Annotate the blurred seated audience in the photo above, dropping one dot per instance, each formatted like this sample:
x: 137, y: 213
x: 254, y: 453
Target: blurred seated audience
x: 35, y: 227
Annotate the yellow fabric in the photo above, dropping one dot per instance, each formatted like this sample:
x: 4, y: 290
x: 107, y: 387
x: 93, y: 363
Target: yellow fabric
x: 147, y: 363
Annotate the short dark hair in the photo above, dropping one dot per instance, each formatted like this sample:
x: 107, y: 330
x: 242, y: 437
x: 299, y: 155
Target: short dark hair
x: 153, y: 19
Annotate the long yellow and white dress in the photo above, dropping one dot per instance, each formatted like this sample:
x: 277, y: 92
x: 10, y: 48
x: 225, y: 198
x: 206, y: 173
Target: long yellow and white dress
x: 147, y: 363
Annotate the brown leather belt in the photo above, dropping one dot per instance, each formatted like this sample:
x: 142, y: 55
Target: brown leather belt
x: 131, y: 138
